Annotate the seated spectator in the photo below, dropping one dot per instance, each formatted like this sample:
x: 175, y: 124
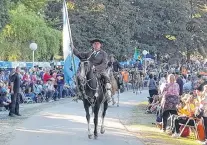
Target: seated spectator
x: 203, y: 105
x: 184, y: 114
x: 153, y: 106
x: 38, y: 91
x: 49, y: 89
x: 4, y: 100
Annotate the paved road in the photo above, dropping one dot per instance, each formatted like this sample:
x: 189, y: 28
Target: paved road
x: 66, y: 125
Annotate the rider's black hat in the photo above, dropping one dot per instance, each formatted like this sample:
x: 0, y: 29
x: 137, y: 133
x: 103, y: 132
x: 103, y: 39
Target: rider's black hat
x: 96, y: 40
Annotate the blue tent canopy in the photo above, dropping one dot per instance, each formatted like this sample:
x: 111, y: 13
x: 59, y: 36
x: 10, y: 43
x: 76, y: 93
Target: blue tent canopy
x: 150, y: 56
x: 5, y: 64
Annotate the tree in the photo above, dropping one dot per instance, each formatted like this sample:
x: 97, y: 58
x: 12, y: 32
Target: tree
x: 24, y: 29
x: 4, y: 17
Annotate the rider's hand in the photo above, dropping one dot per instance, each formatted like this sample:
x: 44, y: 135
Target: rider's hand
x: 72, y: 47
x: 93, y: 67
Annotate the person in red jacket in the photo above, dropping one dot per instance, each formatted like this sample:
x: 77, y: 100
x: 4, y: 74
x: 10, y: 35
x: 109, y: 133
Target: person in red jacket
x: 46, y: 76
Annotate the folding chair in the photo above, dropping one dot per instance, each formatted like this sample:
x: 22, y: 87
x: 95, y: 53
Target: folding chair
x: 194, y: 127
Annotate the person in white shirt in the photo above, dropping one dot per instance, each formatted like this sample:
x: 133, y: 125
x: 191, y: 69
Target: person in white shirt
x: 50, y: 89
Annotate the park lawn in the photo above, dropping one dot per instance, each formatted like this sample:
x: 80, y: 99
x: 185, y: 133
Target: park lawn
x: 141, y: 124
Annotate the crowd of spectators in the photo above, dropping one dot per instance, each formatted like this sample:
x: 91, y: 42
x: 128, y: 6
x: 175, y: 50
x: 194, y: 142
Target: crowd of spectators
x: 37, y: 85
x: 179, y: 101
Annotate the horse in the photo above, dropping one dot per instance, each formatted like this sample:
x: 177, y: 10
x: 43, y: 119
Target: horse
x: 115, y: 82
x: 92, y: 94
x: 136, y: 81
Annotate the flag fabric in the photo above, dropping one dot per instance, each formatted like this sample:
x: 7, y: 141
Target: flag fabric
x: 70, y: 62
x: 67, y: 38
x: 136, y: 53
x: 69, y: 69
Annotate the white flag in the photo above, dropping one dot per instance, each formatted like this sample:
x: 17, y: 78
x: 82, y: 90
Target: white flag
x: 67, y: 38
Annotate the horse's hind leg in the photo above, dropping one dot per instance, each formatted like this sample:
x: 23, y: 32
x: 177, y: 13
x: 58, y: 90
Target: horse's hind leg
x: 137, y: 88
x: 96, y: 110
x: 140, y: 88
x: 133, y: 87
x: 103, y: 116
x: 118, y: 97
x: 86, y: 106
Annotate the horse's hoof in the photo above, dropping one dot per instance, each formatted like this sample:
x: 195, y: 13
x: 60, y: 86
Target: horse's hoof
x: 90, y: 136
x: 95, y: 136
x: 102, y: 130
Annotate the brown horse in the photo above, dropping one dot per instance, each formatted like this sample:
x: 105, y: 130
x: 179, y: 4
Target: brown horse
x: 114, y: 85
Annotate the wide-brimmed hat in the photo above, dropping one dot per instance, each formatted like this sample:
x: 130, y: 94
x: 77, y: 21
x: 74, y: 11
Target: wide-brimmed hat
x: 96, y: 40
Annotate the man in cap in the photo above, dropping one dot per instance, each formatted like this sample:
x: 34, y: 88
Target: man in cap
x: 99, y: 60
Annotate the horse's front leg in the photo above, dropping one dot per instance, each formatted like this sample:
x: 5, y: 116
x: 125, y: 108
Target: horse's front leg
x: 96, y: 110
x: 133, y: 87
x: 86, y: 106
x: 105, y: 106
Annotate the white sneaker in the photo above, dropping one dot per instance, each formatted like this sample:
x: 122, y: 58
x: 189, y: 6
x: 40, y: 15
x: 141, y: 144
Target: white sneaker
x: 203, y: 142
x: 175, y: 135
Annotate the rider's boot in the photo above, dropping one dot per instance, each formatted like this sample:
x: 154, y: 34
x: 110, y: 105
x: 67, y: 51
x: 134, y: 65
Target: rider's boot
x: 108, y: 92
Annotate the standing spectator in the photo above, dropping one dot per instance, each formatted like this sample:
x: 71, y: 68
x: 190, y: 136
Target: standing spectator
x: 152, y: 87
x: 42, y: 72
x: 162, y: 83
x: 170, y: 99
x: 180, y: 83
x: 188, y: 86
x: 15, y: 88
x: 60, y: 83
x: 46, y: 76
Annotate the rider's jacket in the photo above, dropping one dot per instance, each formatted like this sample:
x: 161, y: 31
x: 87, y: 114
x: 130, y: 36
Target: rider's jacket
x: 115, y: 65
x: 98, y: 58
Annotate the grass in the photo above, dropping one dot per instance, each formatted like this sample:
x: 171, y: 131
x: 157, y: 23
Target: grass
x: 142, y: 125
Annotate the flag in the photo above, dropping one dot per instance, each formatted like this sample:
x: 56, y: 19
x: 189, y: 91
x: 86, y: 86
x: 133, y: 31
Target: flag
x: 69, y: 69
x: 71, y: 62
x: 136, y: 53
x: 67, y: 38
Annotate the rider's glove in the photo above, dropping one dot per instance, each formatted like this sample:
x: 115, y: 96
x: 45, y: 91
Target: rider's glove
x: 93, y: 68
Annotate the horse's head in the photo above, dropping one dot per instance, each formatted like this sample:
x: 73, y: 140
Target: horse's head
x: 85, y: 68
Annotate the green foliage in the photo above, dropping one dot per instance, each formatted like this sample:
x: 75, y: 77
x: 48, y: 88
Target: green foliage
x: 32, y: 5
x: 160, y: 26
x: 24, y: 29
x: 3, y: 13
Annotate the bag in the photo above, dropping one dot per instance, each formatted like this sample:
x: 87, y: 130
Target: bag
x: 201, y: 130
x: 186, y: 131
x: 159, y: 115
x: 199, y: 113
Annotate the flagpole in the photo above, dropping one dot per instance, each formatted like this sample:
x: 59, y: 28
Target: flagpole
x: 71, y: 46
x: 70, y: 36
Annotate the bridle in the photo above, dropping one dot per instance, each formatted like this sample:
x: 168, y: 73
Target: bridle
x: 86, y: 82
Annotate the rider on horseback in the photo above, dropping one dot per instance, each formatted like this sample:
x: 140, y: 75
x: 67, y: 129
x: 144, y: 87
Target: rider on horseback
x: 99, y: 60
x: 114, y: 64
